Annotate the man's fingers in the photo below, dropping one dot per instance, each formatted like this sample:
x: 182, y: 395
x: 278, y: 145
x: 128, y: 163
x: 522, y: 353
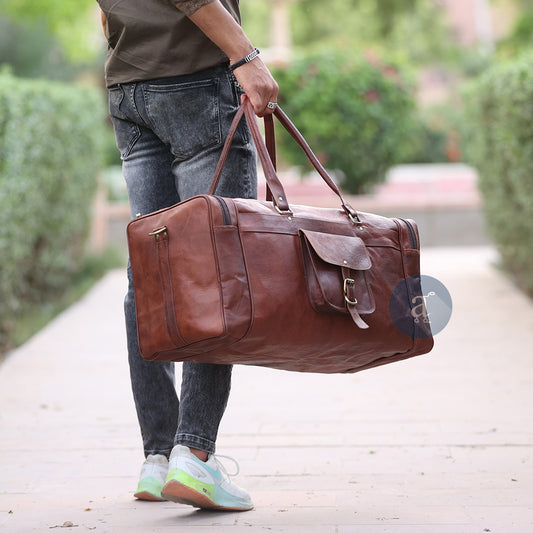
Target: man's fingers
x: 259, y: 85
x: 260, y: 103
x: 265, y: 105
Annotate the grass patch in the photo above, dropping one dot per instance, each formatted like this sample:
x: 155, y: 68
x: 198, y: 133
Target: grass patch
x: 33, y: 317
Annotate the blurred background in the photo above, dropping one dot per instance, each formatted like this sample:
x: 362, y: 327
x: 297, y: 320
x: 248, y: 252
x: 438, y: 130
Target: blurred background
x: 418, y: 108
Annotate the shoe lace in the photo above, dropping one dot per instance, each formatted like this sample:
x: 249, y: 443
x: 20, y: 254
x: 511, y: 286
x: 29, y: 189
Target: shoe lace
x: 223, y: 468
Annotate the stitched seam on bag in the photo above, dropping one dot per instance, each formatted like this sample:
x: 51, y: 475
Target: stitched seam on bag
x: 246, y: 270
x: 215, y: 255
x: 402, y: 250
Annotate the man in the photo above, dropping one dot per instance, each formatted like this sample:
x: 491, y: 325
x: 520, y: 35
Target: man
x: 175, y: 72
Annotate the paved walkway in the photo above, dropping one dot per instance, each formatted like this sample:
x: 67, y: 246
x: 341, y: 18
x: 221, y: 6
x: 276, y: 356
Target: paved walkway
x: 441, y: 443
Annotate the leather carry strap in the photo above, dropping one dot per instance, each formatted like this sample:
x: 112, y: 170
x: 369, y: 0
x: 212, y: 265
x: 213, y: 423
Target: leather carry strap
x: 270, y: 140
x: 271, y: 152
x: 267, y: 156
x: 276, y: 188
x: 299, y: 138
x: 225, y: 150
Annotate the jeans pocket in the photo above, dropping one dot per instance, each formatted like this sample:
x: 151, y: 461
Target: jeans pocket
x: 116, y: 96
x: 186, y: 116
x: 126, y: 133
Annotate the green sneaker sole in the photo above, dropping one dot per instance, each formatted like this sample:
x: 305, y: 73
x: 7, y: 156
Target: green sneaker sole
x: 179, y: 493
x: 150, y: 490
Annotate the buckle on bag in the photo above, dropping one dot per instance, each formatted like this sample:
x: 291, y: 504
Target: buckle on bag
x: 355, y: 220
x: 288, y: 212
x: 157, y: 232
x: 351, y: 283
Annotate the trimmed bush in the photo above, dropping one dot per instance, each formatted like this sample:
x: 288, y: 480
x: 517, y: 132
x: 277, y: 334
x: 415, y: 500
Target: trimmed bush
x: 357, y: 114
x: 31, y: 51
x: 50, y: 146
x: 500, y: 145
x: 439, y: 136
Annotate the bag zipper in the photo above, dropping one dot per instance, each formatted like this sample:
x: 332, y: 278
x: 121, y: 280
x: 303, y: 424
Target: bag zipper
x: 412, y: 233
x: 225, y: 211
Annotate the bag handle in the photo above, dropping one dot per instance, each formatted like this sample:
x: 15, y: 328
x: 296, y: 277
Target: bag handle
x: 270, y: 141
x: 299, y: 138
x: 274, y: 186
x: 268, y: 157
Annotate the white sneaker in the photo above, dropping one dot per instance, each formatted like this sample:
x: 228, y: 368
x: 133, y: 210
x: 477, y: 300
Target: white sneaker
x: 204, y: 485
x: 153, y: 473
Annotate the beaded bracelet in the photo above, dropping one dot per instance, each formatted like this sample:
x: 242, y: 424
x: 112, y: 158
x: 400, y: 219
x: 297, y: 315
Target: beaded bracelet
x: 244, y: 60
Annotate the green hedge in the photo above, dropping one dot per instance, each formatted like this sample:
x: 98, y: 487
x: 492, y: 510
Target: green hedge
x: 440, y: 135
x: 500, y: 144
x: 357, y: 114
x: 50, y: 153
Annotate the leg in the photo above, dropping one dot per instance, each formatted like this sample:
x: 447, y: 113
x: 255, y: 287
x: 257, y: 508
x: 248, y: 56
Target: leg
x: 146, y: 165
x: 205, y: 388
x: 153, y: 387
x: 202, y: 107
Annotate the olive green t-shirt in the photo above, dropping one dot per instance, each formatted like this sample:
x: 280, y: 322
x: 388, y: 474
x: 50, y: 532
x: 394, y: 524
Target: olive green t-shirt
x: 150, y: 39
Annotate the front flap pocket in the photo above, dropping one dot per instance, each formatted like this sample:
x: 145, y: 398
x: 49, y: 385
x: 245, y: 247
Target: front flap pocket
x: 335, y: 271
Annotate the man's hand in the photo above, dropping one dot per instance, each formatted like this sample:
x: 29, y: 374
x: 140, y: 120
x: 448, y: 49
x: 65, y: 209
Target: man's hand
x: 259, y: 85
x: 219, y: 26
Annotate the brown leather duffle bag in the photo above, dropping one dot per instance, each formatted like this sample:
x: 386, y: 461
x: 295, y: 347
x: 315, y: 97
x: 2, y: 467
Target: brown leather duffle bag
x: 226, y: 280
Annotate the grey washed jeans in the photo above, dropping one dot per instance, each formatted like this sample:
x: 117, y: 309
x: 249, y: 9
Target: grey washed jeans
x: 170, y: 134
